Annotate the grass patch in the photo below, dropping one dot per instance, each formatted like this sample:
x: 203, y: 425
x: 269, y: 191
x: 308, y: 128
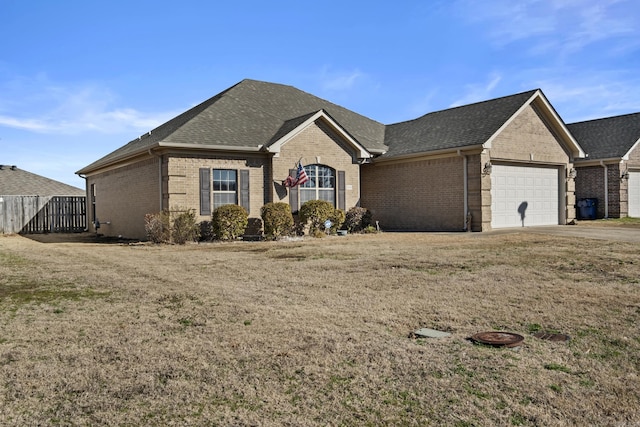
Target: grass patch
x: 331, y: 344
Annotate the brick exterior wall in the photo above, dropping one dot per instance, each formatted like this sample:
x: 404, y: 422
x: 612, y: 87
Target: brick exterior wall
x: 183, y: 180
x: 424, y: 195
x: 124, y: 196
x: 317, y: 144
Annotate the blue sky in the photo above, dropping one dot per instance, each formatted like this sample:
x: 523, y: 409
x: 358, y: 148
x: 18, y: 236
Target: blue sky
x: 79, y: 79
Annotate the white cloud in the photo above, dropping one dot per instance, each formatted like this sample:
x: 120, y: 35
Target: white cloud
x: 586, y: 97
x: 478, y: 92
x: 339, y: 81
x: 557, y: 26
x: 38, y: 105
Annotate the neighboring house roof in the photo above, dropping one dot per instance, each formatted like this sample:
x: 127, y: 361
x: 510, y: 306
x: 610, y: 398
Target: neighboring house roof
x: 247, y: 117
x: 608, y: 138
x: 18, y: 182
x: 466, y: 126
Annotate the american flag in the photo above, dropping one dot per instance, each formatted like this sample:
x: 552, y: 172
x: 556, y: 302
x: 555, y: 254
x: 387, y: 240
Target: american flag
x: 301, y: 177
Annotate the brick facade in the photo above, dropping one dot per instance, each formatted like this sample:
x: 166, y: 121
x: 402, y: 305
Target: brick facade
x: 124, y: 196
x: 183, y: 181
x: 422, y: 195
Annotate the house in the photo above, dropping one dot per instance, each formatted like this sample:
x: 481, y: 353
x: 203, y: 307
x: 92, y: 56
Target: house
x: 611, y: 172
x: 433, y: 173
x: 31, y: 203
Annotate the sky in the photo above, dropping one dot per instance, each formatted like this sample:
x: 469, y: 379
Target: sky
x: 81, y: 78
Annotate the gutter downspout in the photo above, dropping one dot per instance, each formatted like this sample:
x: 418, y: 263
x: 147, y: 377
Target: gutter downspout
x: 465, y: 189
x: 606, y: 189
x: 159, y: 175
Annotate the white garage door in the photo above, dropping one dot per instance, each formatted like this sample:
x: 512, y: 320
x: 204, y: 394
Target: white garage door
x: 634, y: 194
x: 524, y: 196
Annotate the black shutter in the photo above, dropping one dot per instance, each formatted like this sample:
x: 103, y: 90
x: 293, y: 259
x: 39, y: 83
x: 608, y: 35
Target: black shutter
x: 293, y: 193
x: 244, y: 189
x: 205, y: 191
x: 341, y: 191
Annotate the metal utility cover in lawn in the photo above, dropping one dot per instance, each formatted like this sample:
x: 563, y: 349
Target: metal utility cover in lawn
x: 431, y: 333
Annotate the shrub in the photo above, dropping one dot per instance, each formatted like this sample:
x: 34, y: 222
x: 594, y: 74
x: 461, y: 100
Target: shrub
x: 184, y: 227
x: 176, y: 226
x: 158, y: 227
x: 229, y: 222
x: 277, y: 218
x: 316, y: 212
x: 357, y: 219
x: 337, y: 219
x: 206, y: 231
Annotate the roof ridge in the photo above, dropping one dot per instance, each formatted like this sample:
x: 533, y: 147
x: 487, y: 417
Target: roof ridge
x: 604, y: 118
x: 532, y: 91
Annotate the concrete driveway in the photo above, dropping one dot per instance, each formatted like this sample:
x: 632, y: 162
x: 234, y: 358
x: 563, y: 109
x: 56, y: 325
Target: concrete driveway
x: 619, y: 234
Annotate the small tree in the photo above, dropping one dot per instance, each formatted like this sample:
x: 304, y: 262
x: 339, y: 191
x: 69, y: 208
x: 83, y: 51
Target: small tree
x: 277, y: 218
x: 229, y: 222
x: 316, y: 212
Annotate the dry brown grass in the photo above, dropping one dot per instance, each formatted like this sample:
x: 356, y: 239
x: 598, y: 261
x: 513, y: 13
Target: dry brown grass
x: 315, y: 333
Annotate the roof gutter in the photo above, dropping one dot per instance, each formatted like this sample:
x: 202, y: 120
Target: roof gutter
x: 199, y: 147
x: 425, y: 154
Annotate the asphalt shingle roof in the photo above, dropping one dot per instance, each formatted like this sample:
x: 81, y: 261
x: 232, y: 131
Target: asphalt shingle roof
x: 463, y: 126
x: 18, y: 182
x: 249, y: 114
x: 610, y: 137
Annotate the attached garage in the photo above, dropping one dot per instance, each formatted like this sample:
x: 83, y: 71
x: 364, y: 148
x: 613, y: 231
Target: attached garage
x: 634, y: 194
x: 524, y: 196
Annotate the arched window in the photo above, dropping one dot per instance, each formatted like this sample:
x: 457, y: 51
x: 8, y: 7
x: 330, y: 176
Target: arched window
x: 320, y: 186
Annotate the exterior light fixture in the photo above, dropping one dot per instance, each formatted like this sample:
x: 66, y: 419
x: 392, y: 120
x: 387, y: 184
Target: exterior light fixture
x: 487, y: 168
x: 573, y: 173
x: 625, y: 175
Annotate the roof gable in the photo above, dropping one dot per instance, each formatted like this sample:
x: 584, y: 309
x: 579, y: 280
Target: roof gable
x: 609, y: 137
x: 293, y: 127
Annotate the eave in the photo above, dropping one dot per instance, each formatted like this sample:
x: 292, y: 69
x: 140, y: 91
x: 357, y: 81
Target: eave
x: 164, y: 146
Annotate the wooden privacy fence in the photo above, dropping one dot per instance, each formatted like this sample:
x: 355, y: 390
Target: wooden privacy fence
x: 38, y: 214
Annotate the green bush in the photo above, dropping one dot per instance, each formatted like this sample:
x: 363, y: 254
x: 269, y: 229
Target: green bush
x: 357, y: 219
x: 277, y: 218
x: 315, y: 213
x: 337, y: 219
x: 229, y: 222
x: 184, y: 227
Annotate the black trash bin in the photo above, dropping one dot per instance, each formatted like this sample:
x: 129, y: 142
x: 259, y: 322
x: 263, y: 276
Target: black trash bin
x: 587, y: 208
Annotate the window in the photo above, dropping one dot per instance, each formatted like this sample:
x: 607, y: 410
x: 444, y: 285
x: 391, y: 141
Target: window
x: 225, y: 187
x: 320, y: 186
